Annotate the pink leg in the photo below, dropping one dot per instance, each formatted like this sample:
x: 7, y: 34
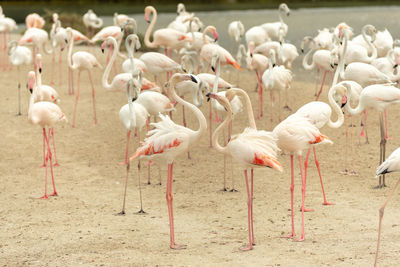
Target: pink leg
x: 272, y: 106
x: 386, y: 126
x: 293, y: 234
x: 51, y: 166
x: 305, y: 179
x: 381, y: 212
x: 260, y: 97
x: 128, y: 136
x: 224, y: 189
x: 53, y: 63
x: 252, y: 199
x: 44, y: 152
x: 169, y: 198
x: 364, y: 128
x: 303, y: 192
x: 76, y: 99
x: 51, y: 130
x: 45, y: 165
x: 316, y: 82
x: 60, y: 67
x: 249, y: 200
x: 320, y: 178
x: 322, y: 86
x: 210, y: 119
x: 93, y: 98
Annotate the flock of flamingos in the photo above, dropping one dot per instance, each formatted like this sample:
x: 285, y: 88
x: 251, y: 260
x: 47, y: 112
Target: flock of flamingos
x: 366, y: 64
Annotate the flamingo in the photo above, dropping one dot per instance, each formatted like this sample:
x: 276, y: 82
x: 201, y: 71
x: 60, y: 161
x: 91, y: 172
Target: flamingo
x: 276, y: 78
x: 157, y: 63
x: 321, y: 58
x: 166, y: 37
x: 324, y: 39
x: 34, y: 20
x: 377, y: 96
x: 132, y: 43
x: 7, y: 25
x: 38, y: 38
x: 208, y: 50
x: 391, y: 164
x: 81, y: 60
x: 383, y: 42
x: 90, y: 20
x: 19, y: 55
x: 168, y: 140
x: 236, y: 31
x: 45, y: 114
x: 295, y: 134
x: 256, y: 34
x: 272, y: 29
x: 119, y: 19
x: 132, y: 116
x: 252, y: 148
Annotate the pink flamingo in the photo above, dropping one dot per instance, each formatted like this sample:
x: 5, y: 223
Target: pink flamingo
x: 208, y: 49
x: 45, y: 114
x: 81, y: 60
x: 252, y: 148
x: 19, y: 55
x: 91, y: 20
x: 391, y: 164
x: 7, y: 25
x: 166, y: 37
x: 132, y: 43
x: 295, y: 134
x: 168, y: 140
x: 38, y: 38
x: 34, y: 21
x: 158, y: 63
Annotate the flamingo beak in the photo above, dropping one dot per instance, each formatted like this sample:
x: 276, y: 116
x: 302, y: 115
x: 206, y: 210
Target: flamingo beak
x: 216, y: 36
x: 213, y: 69
x: 193, y: 79
x: 344, y: 101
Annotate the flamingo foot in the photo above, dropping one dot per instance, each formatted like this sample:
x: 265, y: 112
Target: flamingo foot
x: 353, y: 173
x: 287, y: 108
x: 344, y: 172
x: 306, y: 210
x: 176, y: 246
x: 379, y: 186
x: 56, y: 164
x: 301, y: 239
x: 123, y: 163
x: 54, y: 194
x: 247, y: 247
x: 42, y: 165
x: 122, y: 213
x: 326, y: 203
x: 189, y: 157
x: 388, y: 138
x: 141, y: 211
x: 223, y: 190
x: 292, y: 235
x: 44, y: 197
x: 233, y: 190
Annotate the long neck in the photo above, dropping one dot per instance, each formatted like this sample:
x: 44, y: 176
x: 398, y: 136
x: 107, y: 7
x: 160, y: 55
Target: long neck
x: 305, y: 60
x: 358, y: 109
x: 218, y: 131
x: 205, y: 40
x: 216, y: 80
x: 280, y: 15
x: 249, y: 108
x: 369, y: 43
x: 132, y: 116
x: 342, y: 55
x: 199, y: 115
x: 131, y: 51
x: 71, y: 47
x: 150, y: 29
x: 337, y: 110
x: 106, y: 73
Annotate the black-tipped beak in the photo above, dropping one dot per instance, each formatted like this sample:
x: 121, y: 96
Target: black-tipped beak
x: 343, y: 104
x: 66, y: 41
x: 302, y: 50
x: 288, y: 14
x: 280, y: 42
x: 395, y: 66
x: 208, y: 97
x: 332, y: 66
x: 134, y: 99
x: 273, y: 65
x: 30, y: 90
x: 340, y: 42
x: 102, y: 50
x: 122, y: 29
x: 251, y: 54
x: 40, y: 70
x: 213, y: 69
x: 193, y: 79
x: 148, y: 21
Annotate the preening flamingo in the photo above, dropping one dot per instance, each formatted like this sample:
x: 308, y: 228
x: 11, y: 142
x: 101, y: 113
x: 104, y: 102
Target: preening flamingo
x: 377, y: 96
x: 391, y: 164
x: 91, y: 21
x: 236, y: 31
x: 80, y: 61
x: 19, y: 55
x: 45, y: 114
x: 272, y: 29
x: 157, y: 63
x: 252, y: 148
x: 168, y: 140
x: 132, y: 44
x: 295, y: 134
x: 119, y: 19
x: 132, y: 116
x: 34, y: 20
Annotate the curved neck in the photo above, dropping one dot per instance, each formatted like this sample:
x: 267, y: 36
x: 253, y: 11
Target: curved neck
x: 216, y: 80
x: 249, y: 107
x: 369, y: 43
x: 131, y: 50
x: 106, y: 73
x: 306, y: 58
x: 71, y: 46
x: 340, y: 67
x: 219, y: 129
x: 206, y: 30
x: 337, y: 110
x: 132, y: 116
x: 358, y: 109
x: 150, y: 29
x: 199, y: 115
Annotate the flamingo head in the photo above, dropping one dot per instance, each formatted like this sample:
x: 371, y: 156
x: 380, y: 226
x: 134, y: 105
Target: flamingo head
x: 103, y: 46
x: 216, y: 36
x: 31, y: 81
x: 39, y: 62
x: 147, y: 11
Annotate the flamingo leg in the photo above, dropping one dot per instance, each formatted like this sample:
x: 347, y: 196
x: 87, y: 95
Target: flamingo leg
x: 232, y: 176
x: 53, y: 63
x: 76, y: 99
x: 224, y: 189
x: 60, y: 67
x: 210, y: 119
x: 322, y: 86
x: 382, y: 150
x: 126, y: 186
x: 303, y: 194
x: 54, y: 146
x: 346, y: 171
x: 364, y: 128
x: 272, y: 106
x: 252, y: 199
x: 51, y: 165
x: 352, y: 172
x: 249, y: 200
x: 141, y: 211
x: 386, y: 126
x: 93, y: 98
x: 169, y: 198
x: 381, y: 212
x: 44, y: 152
x: 128, y: 136
x: 19, y: 93
x: 305, y: 179
x: 293, y: 234
x: 260, y: 98
x: 320, y: 178
x: 45, y: 165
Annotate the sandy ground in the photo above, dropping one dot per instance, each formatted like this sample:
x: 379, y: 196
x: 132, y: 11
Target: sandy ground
x: 80, y: 226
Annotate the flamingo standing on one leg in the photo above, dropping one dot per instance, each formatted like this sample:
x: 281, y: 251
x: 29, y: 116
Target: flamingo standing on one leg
x: 391, y: 164
x: 19, y: 55
x: 168, y: 140
x: 45, y: 114
x: 92, y: 22
x: 295, y: 134
x: 81, y: 60
x: 252, y: 148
